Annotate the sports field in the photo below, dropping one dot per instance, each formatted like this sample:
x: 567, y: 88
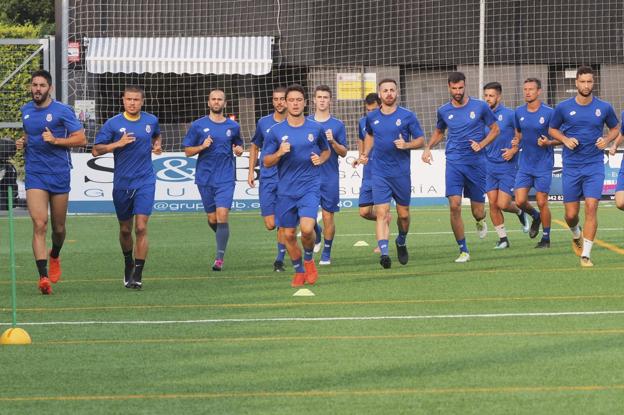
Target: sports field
x: 520, y: 331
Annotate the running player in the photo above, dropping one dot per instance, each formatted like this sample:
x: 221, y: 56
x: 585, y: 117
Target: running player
x: 50, y: 130
x: 214, y: 137
x: 132, y: 137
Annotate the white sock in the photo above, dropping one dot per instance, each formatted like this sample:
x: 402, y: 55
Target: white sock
x: 587, y: 247
x: 500, y: 230
x: 576, y: 231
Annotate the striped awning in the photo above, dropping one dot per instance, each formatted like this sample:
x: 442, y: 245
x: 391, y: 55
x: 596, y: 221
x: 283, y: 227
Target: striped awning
x: 181, y: 55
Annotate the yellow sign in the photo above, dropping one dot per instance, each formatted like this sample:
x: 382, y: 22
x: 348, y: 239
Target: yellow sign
x: 351, y: 87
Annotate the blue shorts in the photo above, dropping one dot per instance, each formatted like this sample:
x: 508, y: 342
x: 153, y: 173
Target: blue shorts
x: 219, y: 196
x: 56, y: 183
x: 620, y: 180
x: 289, y: 210
x: 134, y: 201
x: 330, y: 197
x: 502, y: 180
x: 386, y: 188
x: 467, y: 180
x: 268, y: 197
x: 366, y: 193
x: 585, y: 181
x: 539, y: 180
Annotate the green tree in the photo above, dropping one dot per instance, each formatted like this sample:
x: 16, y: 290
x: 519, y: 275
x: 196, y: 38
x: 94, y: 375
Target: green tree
x: 38, y: 13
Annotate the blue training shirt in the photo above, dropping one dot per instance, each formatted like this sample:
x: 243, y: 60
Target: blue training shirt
x: 532, y: 125
x: 586, y: 124
x: 329, y: 169
x: 39, y: 156
x: 215, y: 164
x: 133, y: 162
x: 385, y: 128
x: 466, y: 123
x: 494, y: 151
x: 297, y: 174
x: 259, y: 139
x: 368, y: 167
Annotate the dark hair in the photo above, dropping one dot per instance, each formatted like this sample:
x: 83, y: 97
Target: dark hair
x: 295, y: 88
x: 43, y: 74
x: 134, y: 88
x: 279, y: 89
x: 385, y: 80
x: 494, y: 85
x: 455, y: 77
x: 323, y: 88
x: 372, y: 98
x: 536, y: 80
x: 583, y: 70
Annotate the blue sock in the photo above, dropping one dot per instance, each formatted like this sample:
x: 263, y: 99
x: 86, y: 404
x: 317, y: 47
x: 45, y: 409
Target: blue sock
x: 401, y: 238
x: 383, y: 246
x: 298, y: 266
x: 546, y: 234
x: 223, y: 234
x: 327, y: 248
x: 307, y: 255
x: 318, y: 231
x: 281, y: 252
x: 463, y: 247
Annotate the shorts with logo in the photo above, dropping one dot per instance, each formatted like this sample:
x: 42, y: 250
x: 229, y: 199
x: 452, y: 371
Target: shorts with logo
x: 541, y: 181
x: 216, y: 196
x: 366, y: 193
x: 501, y: 178
x: 398, y: 188
x: 52, y: 183
x: 289, y: 210
x: 130, y: 202
x: 582, y: 181
x: 466, y: 179
x: 268, y: 196
x: 330, y: 196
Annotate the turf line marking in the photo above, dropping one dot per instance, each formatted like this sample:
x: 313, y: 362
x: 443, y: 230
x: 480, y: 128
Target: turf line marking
x: 318, y: 319
x: 319, y: 303
x: 604, y: 332
x: 610, y: 247
x: 325, y: 393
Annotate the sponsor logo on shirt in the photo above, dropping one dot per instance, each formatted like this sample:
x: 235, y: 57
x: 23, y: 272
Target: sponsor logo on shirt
x: 310, y: 137
x: 598, y: 113
x: 206, y: 130
x: 376, y: 122
x: 148, y: 129
x: 541, y: 120
x: 398, y: 122
x: 472, y: 115
x: 27, y: 116
x: 268, y: 129
x: 285, y: 138
x: 573, y: 113
x: 450, y: 117
x: 49, y: 117
x: 522, y: 119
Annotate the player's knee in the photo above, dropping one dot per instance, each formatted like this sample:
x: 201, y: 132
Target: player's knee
x: 619, y: 203
x: 542, y: 204
x: 140, y: 229
x: 58, y: 229
x: 40, y: 225
x: 364, y: 212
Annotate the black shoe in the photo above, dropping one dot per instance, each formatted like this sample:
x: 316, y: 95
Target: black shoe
x: 128, y: 270
x: 535, y: 225
x: 137, y: 281
x: 402, y: 253
x: 278, y: 266
x: 385, y: 261
x: 543, y: 244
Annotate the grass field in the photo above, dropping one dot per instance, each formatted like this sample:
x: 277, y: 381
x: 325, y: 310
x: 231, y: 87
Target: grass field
x: 519, y: 331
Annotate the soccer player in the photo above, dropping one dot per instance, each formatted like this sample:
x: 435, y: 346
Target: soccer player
x: 132, y: 137
x: 214, y: 137
x: 578, y: 124
x: 392, y: 131
x: 297, y: 146
x: 536, y: 158
x: 501, y: 166
x: 50, y: 130
x: 466, y: 119
x: 330, y: 189
x: 268, y: 176
x: 619, y: 187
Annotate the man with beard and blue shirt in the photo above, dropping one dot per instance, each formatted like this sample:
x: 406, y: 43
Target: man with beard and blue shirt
x: 392, y: 131
x: 132, y: 137
x: 297, y: 146
x: 501, y: 166
x: 330, y: 188
x: 578, y: 124
x: 50, y: 130
x: 536, y: 159
x: 214, y: 137
x: 268, y: 176
x: 466, y: 119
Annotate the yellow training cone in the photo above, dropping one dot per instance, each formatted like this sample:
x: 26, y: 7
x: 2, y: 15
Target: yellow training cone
x: 15, y: 335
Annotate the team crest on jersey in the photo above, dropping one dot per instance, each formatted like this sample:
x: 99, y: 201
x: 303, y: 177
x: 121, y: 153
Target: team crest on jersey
x: 572, y: 113
x: 398, y: 122
x: 472, y: 115
x: 598, y: 113
x: 376, y: 122
x: 450, y: 117
x: 228, y: 133
x: 310, y: 137
x: 148, y: 129
x: 500, y: 117
x: 541, y: 120
x: 49, y: 117
x: 122, y: 130
x: 284, y: 138
x: 206, y: 130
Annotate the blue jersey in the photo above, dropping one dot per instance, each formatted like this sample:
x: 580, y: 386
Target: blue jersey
x: 585, y: 123
x: 494, y: 151
x: 385, y: 128
x: 532, y: 125
x: 465, y: 124
x: 297, y: 174
x: 329, y: 169
x: 133, y: 162
x: 42, y: 157
x: 215, y: 164
x: 259, y: 138
x: 368, y: 167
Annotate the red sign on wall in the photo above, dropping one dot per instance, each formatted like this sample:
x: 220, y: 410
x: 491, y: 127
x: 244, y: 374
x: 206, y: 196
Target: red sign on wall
x: 73, y: 52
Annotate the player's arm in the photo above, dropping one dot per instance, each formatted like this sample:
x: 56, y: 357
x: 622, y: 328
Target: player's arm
x: 317, y: 159
x: 336, y: 142
x: 100, y: 149
x: 157, y: 144
x: 569, y: 142
x: 237, y: 143
x: 616, y: 143
x: 190, y: 151
x: 21, y: 142
x: 409, y: 145
x: 253, y: 156
x: 494, y: 131
x: 75, y: 139
x: 434, y: 140
x: 603, y: 142
x: 367, y: 147
x: 272, y: 159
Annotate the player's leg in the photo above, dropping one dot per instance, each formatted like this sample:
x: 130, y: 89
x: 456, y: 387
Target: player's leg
x: 307, y: 209
x: 58, y: 217
x: 37, y: 201
x: 329, y: 231
x: 454, y: 180
x: 269, y: 222
x: 142, y: 203
x: 474, y: 189
x: 496, y: 215
x: 505, y: 200
x: 382, y: 194
x: 268, y: 199
x: 592, y: 183
x: 546, y: 219
x: 401, y: 192
x: 572, y: 193
x: 523, y: 184
x: 123, y: 202
x: 619, y: 199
